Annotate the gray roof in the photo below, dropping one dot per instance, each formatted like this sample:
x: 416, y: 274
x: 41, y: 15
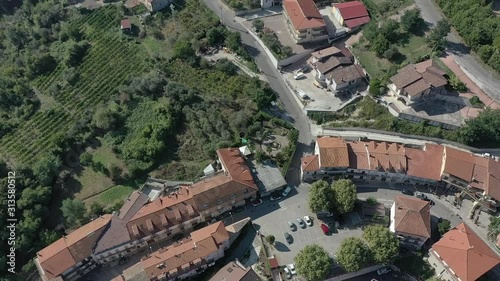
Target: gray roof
x: 268, y: 176
x: 116, y: 232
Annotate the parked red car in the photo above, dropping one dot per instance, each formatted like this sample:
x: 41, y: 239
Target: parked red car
x: 325, y: 229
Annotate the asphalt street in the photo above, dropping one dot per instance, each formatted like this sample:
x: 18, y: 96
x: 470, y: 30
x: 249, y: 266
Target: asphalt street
x: 485, y: 80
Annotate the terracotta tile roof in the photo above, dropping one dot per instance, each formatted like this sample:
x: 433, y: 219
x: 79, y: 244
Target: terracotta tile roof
x: 412, y: 216
x: 377, y: 156
x: 310, y: 163
x: 126, y: 24
x: 425, y: 163
x: 116, y: 233
x: 465, y: 253
x: 192, y: 250
x: 234, y: 271
x: 352, y: 23
x: 332, y: 152
x: 162, y: 213
x: 459, y: 163
x: 414, y: 79
x: 351, y: 10
x: 303, y: 14
x: 236, y: 167
x: 346, y: 74
x: 493, y: 179
x: 71, y: 249
x: 331, y: 64
x: 325, y: 53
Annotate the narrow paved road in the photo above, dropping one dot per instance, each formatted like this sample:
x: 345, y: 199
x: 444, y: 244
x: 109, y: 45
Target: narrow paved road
x: 482, y: 77
x: 275, y: 80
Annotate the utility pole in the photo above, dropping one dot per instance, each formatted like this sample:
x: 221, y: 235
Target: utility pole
x: 172, y: 8
x: 221, y: 16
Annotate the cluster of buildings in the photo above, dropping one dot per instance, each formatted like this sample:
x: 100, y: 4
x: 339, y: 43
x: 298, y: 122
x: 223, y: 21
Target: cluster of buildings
x: 460, y: 255
x: 335, y: 69
x: 474, y: 176
x: 144, y: 220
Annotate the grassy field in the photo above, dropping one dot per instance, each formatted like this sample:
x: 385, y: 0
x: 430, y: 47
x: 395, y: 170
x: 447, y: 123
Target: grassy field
x: 104, y: 154
x: 117, y: 193
x: 88, y: 183
x: 414, y: 48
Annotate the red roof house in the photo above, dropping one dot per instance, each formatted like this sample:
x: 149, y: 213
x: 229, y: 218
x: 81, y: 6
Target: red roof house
x: 126, y: 24
x: 351, y: 14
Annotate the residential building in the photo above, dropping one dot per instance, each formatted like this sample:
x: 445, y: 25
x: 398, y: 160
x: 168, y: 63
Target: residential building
x: 351, y: 14
x: 155, y: 5
x: 304, y: 21
x: 460, y: 255
x: 70, y: 257
x: 125, y: 25
x: 344, y: 78
x: 417, y: 83
x: 235, y: 271
x: 325, y: 69
x: 185, y: 258
x: 141, y: 222
x: 115, y: 241
x: 476, y: 176
x: 411, y: 221
x: 370, y: 160
x: 268, y: 177
x: 322, y: 55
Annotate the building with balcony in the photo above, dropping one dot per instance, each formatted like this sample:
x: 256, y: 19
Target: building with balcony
x: 185, y: 258
x: 460, y: 255
x: 417, y: 83
x: 235, y: 271
x: 304, y: 21
x: 411, y: 221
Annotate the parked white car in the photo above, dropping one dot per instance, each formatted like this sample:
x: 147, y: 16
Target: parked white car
x: 298, y: 75
x: 288, y: 275
x: 308, y: 220
x: 286, y: 191
x: 292, y: 269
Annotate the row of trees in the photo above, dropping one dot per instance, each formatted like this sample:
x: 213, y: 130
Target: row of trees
x: 378, y: 245
x: 478, y: 25
x: 339, y: 197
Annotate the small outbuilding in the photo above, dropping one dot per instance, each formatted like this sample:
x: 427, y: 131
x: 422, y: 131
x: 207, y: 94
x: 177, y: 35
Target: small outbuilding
x: 126, y: 25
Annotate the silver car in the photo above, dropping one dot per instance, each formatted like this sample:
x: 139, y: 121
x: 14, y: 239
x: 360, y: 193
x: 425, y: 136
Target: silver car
x: 301, y: 223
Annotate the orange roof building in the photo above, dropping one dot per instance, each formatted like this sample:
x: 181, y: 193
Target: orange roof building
x: 184, y: 258
x: 461, y: 255
x: 60, y: 258
x: 411, y: 221
x: 235, y: 271
x: 305, y: 22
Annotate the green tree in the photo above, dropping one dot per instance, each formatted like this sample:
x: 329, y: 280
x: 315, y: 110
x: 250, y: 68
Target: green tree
x: 377, y: 88
x: 353, y: 254
x: 258, y: 24
x: 48, y: 237
x: 270, y: 239
x: 183, y: 49
x: 104, y: 118
x: 313, y: 263
x: 437, y: 37
x: 444, y: 225
x: 233, y: 41
x: 74, y: 212
x: 482, y: 131
x: 96, y: 209
x: 215, y: 36
x: 345, y: 194
x: 370, y: 31
x: 390, y: 30
x: 391, y: 53
x: 115, y: 172
x: 321, y: 197
x: 383, y: 244
x: 411, y: 21
x: 46, y: 169
x: 86, y: 158
x: 379, y: 45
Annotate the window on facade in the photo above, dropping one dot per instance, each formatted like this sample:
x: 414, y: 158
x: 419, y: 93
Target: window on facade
x: 219, y: 201
x: 205, y: 206
x: 233, y: 195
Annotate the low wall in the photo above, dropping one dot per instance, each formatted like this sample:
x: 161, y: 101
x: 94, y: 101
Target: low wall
x: 244, y: 12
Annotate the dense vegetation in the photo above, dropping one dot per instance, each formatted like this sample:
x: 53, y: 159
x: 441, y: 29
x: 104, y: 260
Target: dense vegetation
x: 70, y: 80
x: 478, y: 25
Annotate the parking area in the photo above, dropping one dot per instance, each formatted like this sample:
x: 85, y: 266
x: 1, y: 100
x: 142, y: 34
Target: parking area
x: 319, y: 99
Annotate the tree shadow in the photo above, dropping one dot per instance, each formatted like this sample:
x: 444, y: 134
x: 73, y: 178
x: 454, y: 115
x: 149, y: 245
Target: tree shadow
x: 399, y: 58
x: 280, y: 247
x: 457, y: 48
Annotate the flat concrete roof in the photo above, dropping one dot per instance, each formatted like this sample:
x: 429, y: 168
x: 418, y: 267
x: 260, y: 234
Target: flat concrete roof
x: 267, y: 176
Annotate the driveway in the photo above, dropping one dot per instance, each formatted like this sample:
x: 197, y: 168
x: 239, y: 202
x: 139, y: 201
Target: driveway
x: 482, y: 77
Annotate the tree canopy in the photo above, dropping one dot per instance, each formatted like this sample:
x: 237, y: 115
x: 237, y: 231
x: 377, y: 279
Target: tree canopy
x: 411, y: 21
x: 482, y: 131
x: 313, y: 262
x: 74, y: 212
x: 437, y: 36
x: 345, y: 195
x: 353, y: 254
x: 321, y: 197
x: 383, y: 244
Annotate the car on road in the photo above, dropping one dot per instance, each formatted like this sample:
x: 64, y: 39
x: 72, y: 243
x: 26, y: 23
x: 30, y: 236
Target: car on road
x: 421, y: 195
x: 292, y: 269
x: 407, y: 192
x: 292, y: 226
x: 383, y: 270
x: 301, y: 223
x: 298, y: 75
x: 256, y: 202
x: 288, y: 275
x: 308, y: 220
x: 286, y: 191
x: 325, y: 229
x: 275, y: 197
x: 324, y: 214
x: 333, y: 226
x: 288, y: 238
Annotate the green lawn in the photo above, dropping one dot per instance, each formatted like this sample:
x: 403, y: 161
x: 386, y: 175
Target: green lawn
x: 375, y: 66
x: 117, y: 193
x: 105, y: 155
x: 90, y: 183
x: 415, y: 48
